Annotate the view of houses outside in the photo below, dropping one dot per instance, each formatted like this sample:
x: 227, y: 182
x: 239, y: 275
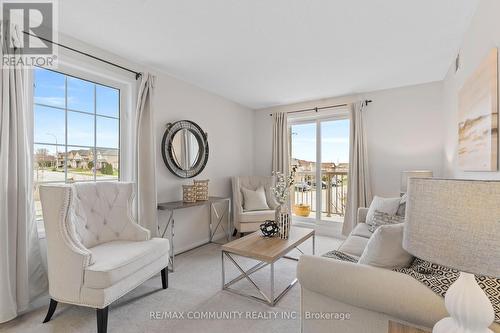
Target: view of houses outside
x: 334, y: 145
x: 50, y: 165
x: 76, y: 131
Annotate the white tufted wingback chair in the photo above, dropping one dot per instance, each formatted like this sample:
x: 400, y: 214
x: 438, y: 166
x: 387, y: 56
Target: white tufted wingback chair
x: 248, y: 221
x: 96, y: 252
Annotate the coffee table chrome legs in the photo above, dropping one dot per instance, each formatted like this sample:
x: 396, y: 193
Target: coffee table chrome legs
x: 302, y: 252
x: 267, y: 299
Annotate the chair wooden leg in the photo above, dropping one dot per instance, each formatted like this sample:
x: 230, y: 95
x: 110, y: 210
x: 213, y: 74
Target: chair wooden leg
x: 52, y: 309
x: 235, y: 232
x: 164, y: 278
x: 102, y: 320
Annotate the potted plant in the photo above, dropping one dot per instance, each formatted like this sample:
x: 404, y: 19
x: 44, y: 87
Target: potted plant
x: 302, y: 210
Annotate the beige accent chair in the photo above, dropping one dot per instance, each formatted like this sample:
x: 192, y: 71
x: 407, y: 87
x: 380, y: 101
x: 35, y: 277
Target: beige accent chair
x: 96, y: 252
x: 370, y: 295
x: 249, y: 221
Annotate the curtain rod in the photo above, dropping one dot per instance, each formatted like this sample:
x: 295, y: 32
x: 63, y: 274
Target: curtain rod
x: 137, y: 74
x: 316, y: 109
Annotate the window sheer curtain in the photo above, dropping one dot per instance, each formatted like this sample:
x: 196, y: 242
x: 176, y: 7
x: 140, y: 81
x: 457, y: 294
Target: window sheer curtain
x: 359, y: 192
x: 22, y: 276
x: 146, y: 155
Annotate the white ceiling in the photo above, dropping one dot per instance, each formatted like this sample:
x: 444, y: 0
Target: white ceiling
x: 268, y: 52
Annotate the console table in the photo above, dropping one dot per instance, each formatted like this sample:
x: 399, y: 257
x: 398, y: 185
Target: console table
x: 172, y: 206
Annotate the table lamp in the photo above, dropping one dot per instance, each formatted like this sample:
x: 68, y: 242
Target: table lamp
x: 456, y: 223
x: 405, y: 175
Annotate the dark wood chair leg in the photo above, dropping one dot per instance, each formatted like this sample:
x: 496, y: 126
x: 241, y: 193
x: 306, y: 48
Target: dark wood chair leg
x: 164, y: 278
x: 102, y: 320
x: 235, y: 232
x: 52, y: 309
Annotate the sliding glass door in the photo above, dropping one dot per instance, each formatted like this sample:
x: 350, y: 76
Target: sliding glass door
x: 320, y: 152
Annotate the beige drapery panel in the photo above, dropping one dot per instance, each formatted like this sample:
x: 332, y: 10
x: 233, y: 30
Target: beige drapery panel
x: 281, y: 146
x: 22, y: 276
x: 359, y: 192
x: 146, y: 156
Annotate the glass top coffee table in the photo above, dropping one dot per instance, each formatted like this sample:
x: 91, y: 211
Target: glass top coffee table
x: 267, y: 251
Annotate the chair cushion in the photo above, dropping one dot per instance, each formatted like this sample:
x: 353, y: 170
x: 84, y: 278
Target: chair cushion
x: 256, y: 216
x: 116, y: 260
x: 354, y: 245
x: 362, y: 230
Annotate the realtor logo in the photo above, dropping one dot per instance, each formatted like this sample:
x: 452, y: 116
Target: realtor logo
x: 28, y: 30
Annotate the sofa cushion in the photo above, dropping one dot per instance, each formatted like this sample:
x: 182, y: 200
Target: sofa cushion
x: 385, y: 248
x: 116, y: 260
x: 362, y: 230
x: 256, y: 216
x: 354, y: 245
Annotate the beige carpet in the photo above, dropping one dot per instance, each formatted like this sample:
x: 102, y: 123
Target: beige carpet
x: 194, y: 290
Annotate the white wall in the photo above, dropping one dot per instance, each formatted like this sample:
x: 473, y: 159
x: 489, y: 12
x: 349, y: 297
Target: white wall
x: 482, y: 35
x: 404, y: 131
x: 228, y: 124
x: 230, y: 136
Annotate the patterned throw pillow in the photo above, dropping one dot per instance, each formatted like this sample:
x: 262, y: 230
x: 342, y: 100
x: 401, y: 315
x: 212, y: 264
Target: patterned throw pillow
x: 381, y: 218
x: 402, y: 206
x: 401, y: 210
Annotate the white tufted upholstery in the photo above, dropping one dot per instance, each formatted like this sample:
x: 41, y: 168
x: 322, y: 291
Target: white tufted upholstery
x: 96, y: 252
x: 101, y: 213
x: 246, y: 221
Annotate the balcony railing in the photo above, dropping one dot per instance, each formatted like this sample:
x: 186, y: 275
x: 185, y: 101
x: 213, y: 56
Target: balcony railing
x: 333, y: 191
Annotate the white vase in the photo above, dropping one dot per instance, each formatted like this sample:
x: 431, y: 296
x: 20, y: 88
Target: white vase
x: 469, y: 308
x: 283, y: 220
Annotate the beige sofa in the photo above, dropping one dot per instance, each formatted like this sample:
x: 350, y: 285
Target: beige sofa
x: 364, y: 298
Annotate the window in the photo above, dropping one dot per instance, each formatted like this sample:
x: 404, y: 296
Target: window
x: 76, y: 131
x: 320, y: 151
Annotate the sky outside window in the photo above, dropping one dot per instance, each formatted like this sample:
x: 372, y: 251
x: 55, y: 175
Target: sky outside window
x: 334, y: 141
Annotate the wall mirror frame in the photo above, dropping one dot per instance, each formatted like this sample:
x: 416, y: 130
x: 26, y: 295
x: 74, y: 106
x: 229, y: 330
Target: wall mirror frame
x: 184, y: 148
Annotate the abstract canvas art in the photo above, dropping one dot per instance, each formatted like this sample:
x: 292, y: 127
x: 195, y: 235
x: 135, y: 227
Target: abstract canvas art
x: 478, y: 118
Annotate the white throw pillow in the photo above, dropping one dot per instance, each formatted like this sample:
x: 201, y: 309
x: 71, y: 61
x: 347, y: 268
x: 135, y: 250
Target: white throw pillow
x: 254, y: 200
x: 385, y: 248
x: 384, y: 205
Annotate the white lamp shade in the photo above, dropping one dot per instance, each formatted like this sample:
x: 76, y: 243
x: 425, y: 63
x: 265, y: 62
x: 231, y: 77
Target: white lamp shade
x: 455, y: 223
x: 405, y: 175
